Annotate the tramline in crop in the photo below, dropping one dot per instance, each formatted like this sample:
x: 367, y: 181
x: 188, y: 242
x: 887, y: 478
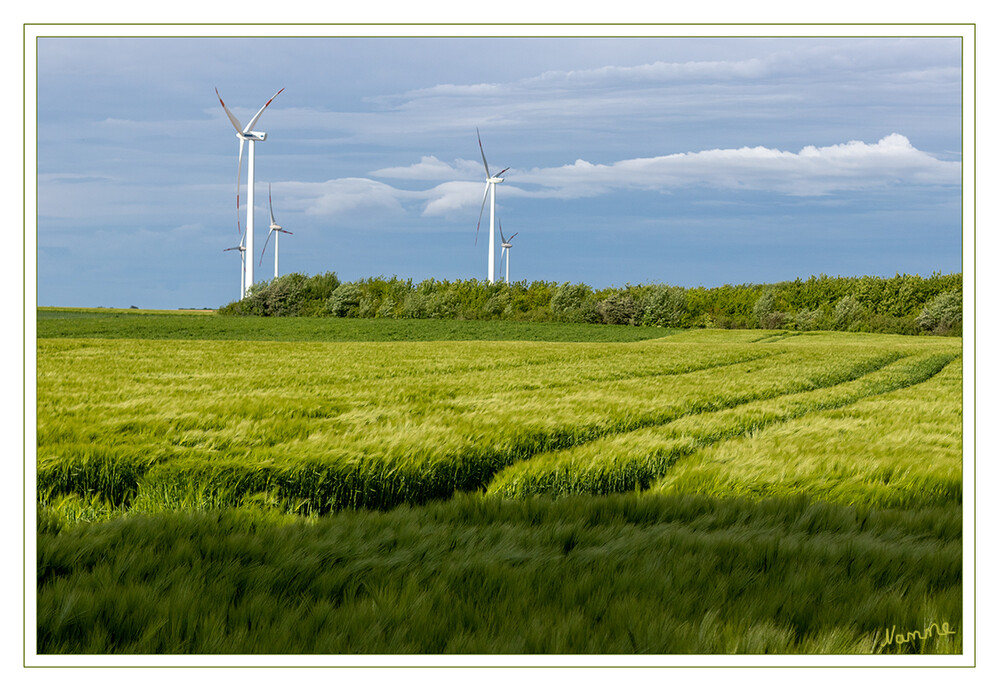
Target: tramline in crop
x: 321, y: 426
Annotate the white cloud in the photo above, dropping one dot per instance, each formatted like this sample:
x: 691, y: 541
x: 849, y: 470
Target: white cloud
x: 812, y: 171
x: 868, y: 64
x: 616, y: 76
x: 349, y: 196
x: 657, y: 72
x: 453, y: 196
x: 459, y: 90
x: 432, y: 168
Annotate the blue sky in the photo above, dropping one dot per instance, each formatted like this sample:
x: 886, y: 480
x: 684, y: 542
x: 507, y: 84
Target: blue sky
x: 688, y: 161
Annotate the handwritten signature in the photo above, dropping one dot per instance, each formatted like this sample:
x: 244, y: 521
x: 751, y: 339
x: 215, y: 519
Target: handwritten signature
x: 910, y: 636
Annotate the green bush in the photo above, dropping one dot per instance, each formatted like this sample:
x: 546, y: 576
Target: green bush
x: 886, y: 324
x: 255, y: 301
x: 283, y: 296
x: 291, y: 295
x: 898, y: 296
x: 445, y: 305
x: 498, y: 305
x: 943, y: 314
x: 810, y: 320
x: 766, y: 313
x: 574, y: 303
x: 416, y: 305
x: 618, y: 308
x: 388, y: 309
x: 345, y: 301
x: 664, y: 306
x: 848, y: 313
x: 724, y: 321
x: 316, y: 292
x: 726, y: 302
x: 901, y: 304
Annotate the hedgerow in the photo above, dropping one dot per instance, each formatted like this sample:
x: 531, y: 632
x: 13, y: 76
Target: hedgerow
x: 904, y: 304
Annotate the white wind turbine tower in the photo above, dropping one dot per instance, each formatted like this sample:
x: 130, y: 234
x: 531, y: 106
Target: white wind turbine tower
x: 242, y: 260
x: 246, y: 134
x: 506, y: 245
x: 491, y: 182
x: 275, y: 229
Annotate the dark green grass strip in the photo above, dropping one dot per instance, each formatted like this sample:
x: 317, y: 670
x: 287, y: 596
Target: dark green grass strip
x: 626, y: 574
x: 61, y: 324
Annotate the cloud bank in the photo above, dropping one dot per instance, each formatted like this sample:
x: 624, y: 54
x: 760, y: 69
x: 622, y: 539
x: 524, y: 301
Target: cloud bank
x: 812, y: 171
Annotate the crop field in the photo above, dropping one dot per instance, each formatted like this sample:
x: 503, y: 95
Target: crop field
x: 68, y: 323
x: 531, y: 488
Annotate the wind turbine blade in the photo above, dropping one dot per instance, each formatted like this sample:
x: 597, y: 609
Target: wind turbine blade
x: 270, y: 203
x: 265, y: 247
x: 240, y: 246
x: 481, y: 209
x: 232, y: 118
x: 500, y: 224
x: 502, y: 171
x: 513, y: 236
x: 483, y: 152
x: 251, y: 123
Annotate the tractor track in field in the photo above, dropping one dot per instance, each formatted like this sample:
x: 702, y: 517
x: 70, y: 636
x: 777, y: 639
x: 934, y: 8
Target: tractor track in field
x: 658, y: 463
x: 788, y: 385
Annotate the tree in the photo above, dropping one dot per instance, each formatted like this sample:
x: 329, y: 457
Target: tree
x: 344, y: 301
x: 664, y: 306
x: 766, y: 313
x: 618, y: 308
x: 848, y: 313
x: 574, y: 303
x: 942, y: 314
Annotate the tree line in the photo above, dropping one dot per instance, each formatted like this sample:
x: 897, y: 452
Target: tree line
x: 905, y: 304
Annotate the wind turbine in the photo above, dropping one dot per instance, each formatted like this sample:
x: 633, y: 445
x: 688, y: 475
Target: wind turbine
x: 506, y: 250
x: 246, y: 134
x: 242, y: 261
x: 491, y: 182
x: 275, y: 229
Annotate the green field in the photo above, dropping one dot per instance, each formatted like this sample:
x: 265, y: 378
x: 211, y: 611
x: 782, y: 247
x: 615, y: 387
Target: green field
x: 237, y: 485
x: 93, y: 323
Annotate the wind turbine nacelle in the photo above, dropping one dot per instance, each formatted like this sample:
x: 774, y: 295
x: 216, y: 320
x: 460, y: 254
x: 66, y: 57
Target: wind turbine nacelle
x: 494, y: 180
x: 253, y: 136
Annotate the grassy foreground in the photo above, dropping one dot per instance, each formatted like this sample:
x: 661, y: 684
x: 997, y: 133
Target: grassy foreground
x: 705, y: 492
x: 621, y: 574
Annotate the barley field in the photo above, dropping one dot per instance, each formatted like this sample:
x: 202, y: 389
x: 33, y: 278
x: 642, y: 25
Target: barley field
x: 302, y: 487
